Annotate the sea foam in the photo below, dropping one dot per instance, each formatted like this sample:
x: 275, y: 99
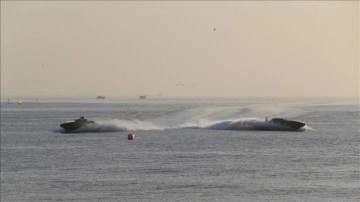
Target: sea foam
x: 117, y: 125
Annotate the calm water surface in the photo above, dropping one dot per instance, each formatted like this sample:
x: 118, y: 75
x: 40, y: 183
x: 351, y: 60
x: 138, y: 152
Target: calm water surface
x: 175, y: 156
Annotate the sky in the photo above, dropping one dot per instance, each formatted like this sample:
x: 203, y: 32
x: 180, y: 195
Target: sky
x: 170, y: 48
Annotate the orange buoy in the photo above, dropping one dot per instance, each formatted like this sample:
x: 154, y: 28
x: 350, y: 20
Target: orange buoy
x: 131, y: 136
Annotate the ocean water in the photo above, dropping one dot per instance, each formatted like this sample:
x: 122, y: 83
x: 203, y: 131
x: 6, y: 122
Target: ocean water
x: 184, y: 150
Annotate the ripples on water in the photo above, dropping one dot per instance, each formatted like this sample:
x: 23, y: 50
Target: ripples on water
x: 171, y: 160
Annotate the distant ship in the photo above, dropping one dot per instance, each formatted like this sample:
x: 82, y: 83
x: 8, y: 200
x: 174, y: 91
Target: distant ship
x: 100, y: 97
x: 74, y: 125
x: 294, y: 125
x: 142, y: 97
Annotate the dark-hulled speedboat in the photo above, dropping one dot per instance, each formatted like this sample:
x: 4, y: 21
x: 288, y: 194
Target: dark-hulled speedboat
x: 293, y: 125
x: 74, y: 125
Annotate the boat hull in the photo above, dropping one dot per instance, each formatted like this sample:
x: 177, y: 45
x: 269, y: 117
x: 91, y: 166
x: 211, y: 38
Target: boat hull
x: 72, y: 126
x: 294, y: 125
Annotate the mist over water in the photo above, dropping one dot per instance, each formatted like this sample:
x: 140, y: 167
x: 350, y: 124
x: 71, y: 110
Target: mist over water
x: 124, y: 125
x: 215, y: 118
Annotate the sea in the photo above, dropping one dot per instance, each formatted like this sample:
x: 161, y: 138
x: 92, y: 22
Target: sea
x: 185, y: 149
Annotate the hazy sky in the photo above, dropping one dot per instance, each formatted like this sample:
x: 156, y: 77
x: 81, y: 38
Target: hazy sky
x: 88, y: 48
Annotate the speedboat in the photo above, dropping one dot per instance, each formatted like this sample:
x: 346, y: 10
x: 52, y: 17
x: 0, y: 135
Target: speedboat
x: 293, y: 125
x: 76, y: 124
